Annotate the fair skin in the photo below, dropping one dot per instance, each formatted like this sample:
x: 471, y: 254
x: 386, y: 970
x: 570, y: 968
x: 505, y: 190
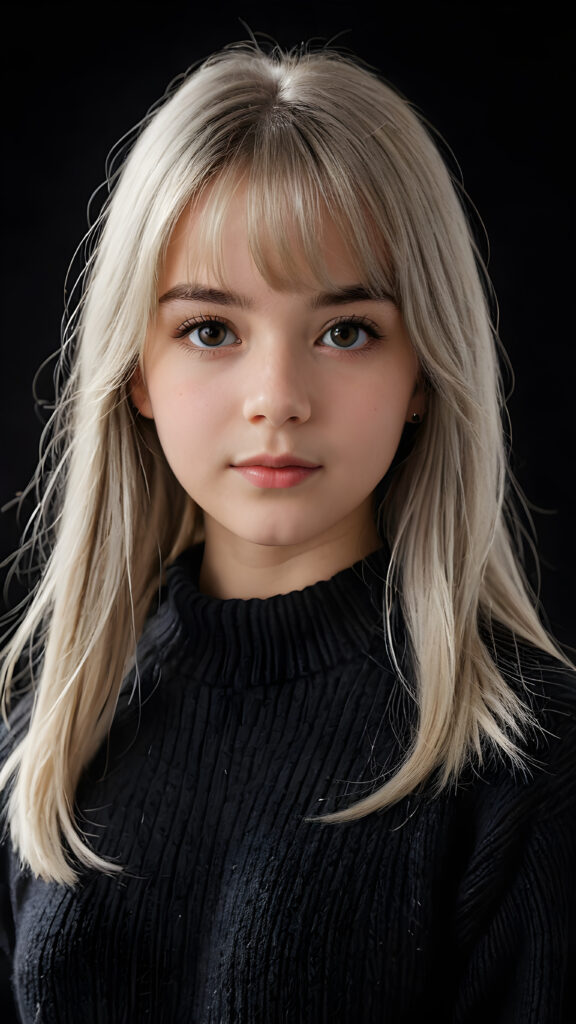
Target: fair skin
x: 249, y: 375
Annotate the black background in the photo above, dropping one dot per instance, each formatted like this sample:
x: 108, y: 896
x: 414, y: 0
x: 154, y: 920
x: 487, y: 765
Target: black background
x: 495, y: 83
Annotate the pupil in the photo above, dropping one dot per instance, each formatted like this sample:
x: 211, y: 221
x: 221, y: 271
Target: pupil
x: 345, y: 335
x: 212, y: 334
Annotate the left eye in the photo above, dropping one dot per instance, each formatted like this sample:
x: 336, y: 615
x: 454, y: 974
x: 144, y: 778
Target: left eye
x: 212, y: 334
x: 345, y: 335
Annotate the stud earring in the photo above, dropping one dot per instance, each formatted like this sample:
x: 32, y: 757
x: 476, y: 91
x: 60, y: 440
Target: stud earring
x: 416, y: 417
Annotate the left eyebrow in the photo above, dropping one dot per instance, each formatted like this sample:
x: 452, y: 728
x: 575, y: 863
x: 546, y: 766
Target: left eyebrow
x: 350, y: 293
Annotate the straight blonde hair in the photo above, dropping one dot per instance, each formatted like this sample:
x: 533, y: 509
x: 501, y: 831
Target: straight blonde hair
x: 307, y: 133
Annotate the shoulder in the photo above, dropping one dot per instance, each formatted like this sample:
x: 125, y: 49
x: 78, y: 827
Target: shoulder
x: 532, y: 785
x: 540, y: 784
x: 544, y: 684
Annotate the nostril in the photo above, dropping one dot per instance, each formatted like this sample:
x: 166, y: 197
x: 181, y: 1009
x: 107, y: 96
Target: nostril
x: 277, y: 409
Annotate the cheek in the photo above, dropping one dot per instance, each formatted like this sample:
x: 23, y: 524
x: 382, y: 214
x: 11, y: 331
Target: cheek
x: 371, y: 428
x: 181, y: 398
x: 184, y: 415
x: 378, y: 413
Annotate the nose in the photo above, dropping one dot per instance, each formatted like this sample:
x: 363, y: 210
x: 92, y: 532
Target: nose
x: 277, y: 391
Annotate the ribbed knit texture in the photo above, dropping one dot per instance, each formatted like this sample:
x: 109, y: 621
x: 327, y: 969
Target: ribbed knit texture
x: 247, y: 718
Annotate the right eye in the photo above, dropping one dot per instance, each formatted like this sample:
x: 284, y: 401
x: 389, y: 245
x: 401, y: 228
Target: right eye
x: 208, y: 333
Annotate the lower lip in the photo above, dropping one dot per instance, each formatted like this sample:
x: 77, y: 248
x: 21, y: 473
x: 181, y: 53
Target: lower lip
x: 269, y: 476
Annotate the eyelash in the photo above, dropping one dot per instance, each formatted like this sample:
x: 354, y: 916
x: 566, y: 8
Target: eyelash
x: 371, y: 329
x: 197, y: 321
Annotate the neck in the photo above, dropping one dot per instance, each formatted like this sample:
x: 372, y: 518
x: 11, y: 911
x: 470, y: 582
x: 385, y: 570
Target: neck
x: 235, y: 568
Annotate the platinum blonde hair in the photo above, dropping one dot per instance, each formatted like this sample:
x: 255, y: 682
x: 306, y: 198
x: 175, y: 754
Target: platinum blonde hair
x: 306, y: 133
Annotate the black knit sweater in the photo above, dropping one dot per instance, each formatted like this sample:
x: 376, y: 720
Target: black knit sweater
x: 248, y: 719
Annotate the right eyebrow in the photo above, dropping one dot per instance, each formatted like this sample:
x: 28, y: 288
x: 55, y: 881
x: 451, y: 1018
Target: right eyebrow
x: 199, y: 293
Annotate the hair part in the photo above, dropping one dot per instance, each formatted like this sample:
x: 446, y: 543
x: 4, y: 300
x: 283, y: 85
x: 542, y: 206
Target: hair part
x: 306, y: 134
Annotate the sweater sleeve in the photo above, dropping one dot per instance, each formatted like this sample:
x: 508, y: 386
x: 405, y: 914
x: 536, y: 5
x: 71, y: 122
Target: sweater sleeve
x: 7, y: 1006
x: 516, y: 930
x: 8, y: 738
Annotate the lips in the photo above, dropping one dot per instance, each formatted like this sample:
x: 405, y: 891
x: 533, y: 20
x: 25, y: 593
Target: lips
x: 276, y: 461
x: 275, y: 472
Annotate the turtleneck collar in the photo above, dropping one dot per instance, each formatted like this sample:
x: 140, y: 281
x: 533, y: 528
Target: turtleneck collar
x: 238, y: 643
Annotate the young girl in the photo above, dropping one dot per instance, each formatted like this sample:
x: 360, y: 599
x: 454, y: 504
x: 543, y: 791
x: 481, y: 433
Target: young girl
x: 285, y: 738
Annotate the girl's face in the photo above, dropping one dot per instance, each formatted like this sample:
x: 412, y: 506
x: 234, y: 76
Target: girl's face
x: 278, y: 411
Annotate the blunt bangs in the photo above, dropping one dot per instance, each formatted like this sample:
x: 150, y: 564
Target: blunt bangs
x: 290, y: 196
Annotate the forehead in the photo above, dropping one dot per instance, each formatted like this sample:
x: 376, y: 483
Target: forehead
x: 220, y: 243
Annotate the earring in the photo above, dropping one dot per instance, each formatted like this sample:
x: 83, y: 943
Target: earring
x: 416, y: 417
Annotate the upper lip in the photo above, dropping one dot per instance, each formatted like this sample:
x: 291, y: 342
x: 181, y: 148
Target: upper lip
x: 276, y: 461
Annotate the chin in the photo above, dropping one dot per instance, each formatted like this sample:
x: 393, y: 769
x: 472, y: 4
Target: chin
x: 277, y: 533
x: 275, y: 538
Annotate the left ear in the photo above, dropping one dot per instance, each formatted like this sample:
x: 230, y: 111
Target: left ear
x: 418, y: 401
x: 139, y: 394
